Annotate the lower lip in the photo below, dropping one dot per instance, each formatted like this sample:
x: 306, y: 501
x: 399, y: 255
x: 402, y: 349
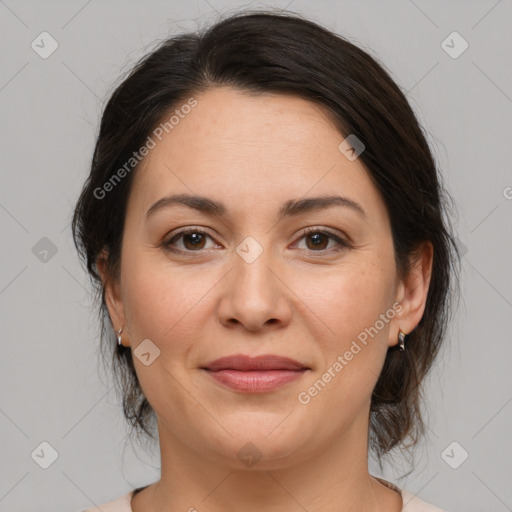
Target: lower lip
x: 255, y: 381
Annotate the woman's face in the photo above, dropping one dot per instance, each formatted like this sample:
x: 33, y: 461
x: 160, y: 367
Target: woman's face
x: 248, y: 280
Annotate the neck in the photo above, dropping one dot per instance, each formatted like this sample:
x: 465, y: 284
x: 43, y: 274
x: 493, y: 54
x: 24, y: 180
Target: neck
x: 319, y: 480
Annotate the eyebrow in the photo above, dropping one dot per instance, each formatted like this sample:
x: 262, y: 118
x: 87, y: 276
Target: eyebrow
x: 290, y: 208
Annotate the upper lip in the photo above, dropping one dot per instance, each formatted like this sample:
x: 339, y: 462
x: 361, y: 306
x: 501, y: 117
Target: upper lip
x: 246, y: 363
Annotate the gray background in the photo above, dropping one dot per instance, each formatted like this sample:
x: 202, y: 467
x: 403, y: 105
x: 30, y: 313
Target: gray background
x: 52, y: 388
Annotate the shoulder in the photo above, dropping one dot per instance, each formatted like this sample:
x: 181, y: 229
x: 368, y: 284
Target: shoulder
x: 413, y: 504
x: 121, y: 504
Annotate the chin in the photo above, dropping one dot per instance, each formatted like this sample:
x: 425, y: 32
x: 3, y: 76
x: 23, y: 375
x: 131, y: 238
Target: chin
x: 262, y: 442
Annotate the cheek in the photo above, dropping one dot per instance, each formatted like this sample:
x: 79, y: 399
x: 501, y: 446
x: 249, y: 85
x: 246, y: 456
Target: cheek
x: 358, y: 308
x: 352, y: 298
x: 353, y: 347
x: 161, y: 300
x: 165, y: 305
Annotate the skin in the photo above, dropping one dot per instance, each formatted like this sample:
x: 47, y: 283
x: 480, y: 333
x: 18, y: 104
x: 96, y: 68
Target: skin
x: 254, y: 152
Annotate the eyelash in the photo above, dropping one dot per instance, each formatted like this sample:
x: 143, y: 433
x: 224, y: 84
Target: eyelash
x: 344, y: 244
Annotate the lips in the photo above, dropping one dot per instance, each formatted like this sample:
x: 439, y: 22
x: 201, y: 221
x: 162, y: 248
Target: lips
x: 259, y: 374
x: 245, y: 363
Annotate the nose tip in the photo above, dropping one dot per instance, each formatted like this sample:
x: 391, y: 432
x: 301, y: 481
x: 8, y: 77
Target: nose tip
x: 253, y: 297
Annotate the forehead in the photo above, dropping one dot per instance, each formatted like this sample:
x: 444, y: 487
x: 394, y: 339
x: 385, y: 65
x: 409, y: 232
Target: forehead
x: 235, y: 144
x: 228, y: 122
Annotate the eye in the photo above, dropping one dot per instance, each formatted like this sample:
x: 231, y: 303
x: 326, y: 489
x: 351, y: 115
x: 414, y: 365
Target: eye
x: 317, y: 240
x: 192, y: 239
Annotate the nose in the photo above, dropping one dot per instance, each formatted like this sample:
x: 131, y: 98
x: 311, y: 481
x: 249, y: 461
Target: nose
x: 254, y: 296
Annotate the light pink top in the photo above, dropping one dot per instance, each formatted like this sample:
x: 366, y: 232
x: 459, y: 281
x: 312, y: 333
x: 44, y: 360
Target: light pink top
x: 410, y: 502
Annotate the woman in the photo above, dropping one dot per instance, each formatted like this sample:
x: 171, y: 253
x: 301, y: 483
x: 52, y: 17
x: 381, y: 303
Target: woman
x: 264, y: 222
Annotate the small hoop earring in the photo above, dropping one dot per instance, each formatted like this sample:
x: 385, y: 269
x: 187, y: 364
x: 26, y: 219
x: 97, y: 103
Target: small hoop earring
x: 119, y: 336
x: 401, y: 339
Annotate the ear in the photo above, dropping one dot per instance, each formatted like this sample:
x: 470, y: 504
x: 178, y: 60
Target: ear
x: 112, y: 295
x: 412, y: 292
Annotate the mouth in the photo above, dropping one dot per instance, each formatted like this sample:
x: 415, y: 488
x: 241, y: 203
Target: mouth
x: 255, y: 374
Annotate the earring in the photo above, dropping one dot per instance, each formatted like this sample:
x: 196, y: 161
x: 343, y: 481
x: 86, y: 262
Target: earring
x: 119, y: 336
x: 401, y: 339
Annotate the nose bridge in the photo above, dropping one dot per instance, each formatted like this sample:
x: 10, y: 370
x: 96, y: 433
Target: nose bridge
x: 252, y: 273
x: 253, y: 295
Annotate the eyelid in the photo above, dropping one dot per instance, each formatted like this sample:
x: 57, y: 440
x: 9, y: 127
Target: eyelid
x: 343, y: 241
x: 185, y: 231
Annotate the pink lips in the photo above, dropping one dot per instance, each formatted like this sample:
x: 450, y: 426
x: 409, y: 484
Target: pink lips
x: 255, y: 374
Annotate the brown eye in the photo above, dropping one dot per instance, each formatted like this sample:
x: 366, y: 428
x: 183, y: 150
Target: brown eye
x: 192, y: 240
x: 318, y: 241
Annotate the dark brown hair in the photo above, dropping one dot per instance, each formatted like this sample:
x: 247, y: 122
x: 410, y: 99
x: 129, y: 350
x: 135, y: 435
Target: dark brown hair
x: 286, y: 54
